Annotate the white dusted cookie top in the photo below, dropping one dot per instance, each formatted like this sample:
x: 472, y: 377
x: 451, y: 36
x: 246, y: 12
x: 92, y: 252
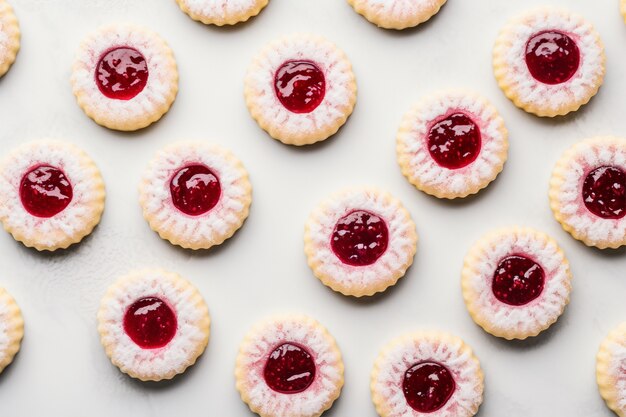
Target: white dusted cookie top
x: 397, y: 14
x: 221, y: 12
x: 9, y: 37
x: 611, y: 370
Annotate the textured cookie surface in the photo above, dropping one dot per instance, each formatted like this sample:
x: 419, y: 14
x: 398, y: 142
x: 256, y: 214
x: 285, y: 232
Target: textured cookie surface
x: 9, y: 37
x: 11, y: 329
x: 611, y: 370
x: 221, y: 12
x: 397, y: 14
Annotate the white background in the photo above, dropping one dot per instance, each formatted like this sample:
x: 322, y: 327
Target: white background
x: 62, y: 369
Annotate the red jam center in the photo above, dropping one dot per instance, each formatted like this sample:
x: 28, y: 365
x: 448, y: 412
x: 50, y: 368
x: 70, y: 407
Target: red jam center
x: 300, y: 86
x: 45, y: 191
x: 428, y: 386
x: 195, y: 189
x: 552, y: 57
x: 122, y: 73
x: 454, y: 142
x: 360, y: 238
x: 517, y: 280
x: 150, y: 323
x: 289, y: 369
x: 604, y: 192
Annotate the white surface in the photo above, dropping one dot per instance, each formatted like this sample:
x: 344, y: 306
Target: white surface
x: 62, y: 369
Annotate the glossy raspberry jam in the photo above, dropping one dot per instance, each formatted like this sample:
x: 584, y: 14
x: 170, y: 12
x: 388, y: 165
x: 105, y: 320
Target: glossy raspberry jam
x: 454, y: 142
x: 45, y: 191
x: 289, y: 369
x: 552, y: 57
x: 360, y: 238
x: 604, y: 192
x: 121, y: 73
x: 428, y: 386
x: 150, y: 323
x: 517, y: 280
x: 300, y: 86
x: 195, y: 189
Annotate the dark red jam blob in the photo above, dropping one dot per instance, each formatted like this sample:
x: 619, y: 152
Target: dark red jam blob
x: 300, y: 86
x: 289, y: 369
x: 45, y: 191
x: 552, y: 57
x: 454, y: 142
x: 150, y: 323
x: 195, y: 189
x: 517, y: 280
x: 428, y: 386
x: 360, y: 238
x: 604, y: 192
x: 122, y: 73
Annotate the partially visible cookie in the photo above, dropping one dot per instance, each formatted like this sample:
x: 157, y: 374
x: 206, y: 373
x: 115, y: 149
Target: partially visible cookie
x: 153, y: 324
x: 427, y: 373
x: 611, y: 370
x: 360, y: 242
x: 397, y: 14
x: 221, y: 12
x: 622, y: 6
x: 452, y: 144
x: 124, y: 77
x: 52, y: 194
x: 11, y: 329
x: 195, y: 194
x: 515, y: 282
x: 549, y: 61
x: 9, y: 37
x: 300, y: 89
x: 289, y: 366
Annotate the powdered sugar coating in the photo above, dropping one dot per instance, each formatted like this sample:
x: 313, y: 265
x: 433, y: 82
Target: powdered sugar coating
x: 424, y: 172
x: 510, y: 321
x: 404, y: 352
x: 11, y: 328
x: 397, y: 14
x: 611, y: 370
x: 261, y: 341
x: 9, y: 37
x: 192, y: 333
x: 74, y: 222
x: 522, y: 88
x: 360, y: 280
x: 221, y: 12
x: 301, y: 128
x: 212, y: 227
x: 566, y: 197
x: 146, y: 107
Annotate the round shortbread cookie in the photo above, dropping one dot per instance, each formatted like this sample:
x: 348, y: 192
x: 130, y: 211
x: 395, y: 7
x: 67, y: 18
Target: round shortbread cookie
x: 221, y: 12
x: 52, y: 194
x: 452, y: 144
x: 9, y: 37
x: 289, y: 366
x: 360, y: 242
x: 588, y: 192
x: 195, y: 194
x: 11, y: 329
x: 397, y: 14
x: 124, y: 77
x: 611, y: 370
x: 427, y: 374
x: 153, y: 324
x: 300, y: 89
x: 549, y: 61
x: 516, y: 282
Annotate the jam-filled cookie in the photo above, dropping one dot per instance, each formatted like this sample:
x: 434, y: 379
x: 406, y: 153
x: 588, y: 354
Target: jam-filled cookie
x: 516, y: 282
x: 549, y: 61
x: 195, y: 194
x: 588, y: 192
x: 300, y: 89
x: 611, y: 370
x: 289, y: 366
x: 11, y: 329
x: 360, y: 242
x: 52, y: 194
x: 427, y: 373
x: 452, y: 144
x: 153, y: 324
x: 397, y: 14
x: 221, y: 12
x: 9, y: 37
x: 124, y: 77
